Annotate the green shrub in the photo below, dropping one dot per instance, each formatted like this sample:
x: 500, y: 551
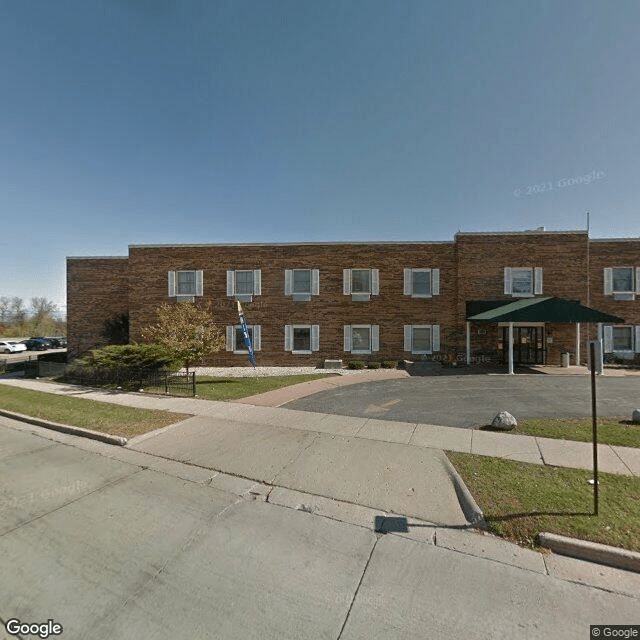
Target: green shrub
x: 356, y: 364
x: 132, y: 356
x: 389, y: 364
x: 373, y: 365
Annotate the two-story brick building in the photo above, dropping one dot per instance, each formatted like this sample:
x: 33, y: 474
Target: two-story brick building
x: 307, y: 302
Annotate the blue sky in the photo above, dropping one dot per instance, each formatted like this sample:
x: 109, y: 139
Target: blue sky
x: 201, y: 121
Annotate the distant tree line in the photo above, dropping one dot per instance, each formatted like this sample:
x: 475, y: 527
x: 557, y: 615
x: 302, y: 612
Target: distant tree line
x: 38, y: 318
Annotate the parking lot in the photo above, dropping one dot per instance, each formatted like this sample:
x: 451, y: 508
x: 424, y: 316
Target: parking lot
x: 468, y: 401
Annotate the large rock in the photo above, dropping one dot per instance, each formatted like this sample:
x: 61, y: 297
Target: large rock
x: 635, y: 416
x: 504, y: 421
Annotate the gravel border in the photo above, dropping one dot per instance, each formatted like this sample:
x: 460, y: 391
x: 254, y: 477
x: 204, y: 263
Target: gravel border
x: 264, y: 372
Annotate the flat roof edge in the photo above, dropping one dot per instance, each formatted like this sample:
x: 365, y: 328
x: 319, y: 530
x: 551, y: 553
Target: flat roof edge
x: 291, y: 244
x: 530, y: 232
x: 97, y: 257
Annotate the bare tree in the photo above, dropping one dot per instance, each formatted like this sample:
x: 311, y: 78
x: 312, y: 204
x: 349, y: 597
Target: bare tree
x: 5, y: 304
x: 17, y: 310
x: 42, y: 309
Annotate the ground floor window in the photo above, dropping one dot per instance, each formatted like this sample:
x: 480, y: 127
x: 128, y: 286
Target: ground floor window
x: 422, y: 339
x: 624, y: 339
x: 235, y: 338
x: 302, y: 338
x: 361, y: 338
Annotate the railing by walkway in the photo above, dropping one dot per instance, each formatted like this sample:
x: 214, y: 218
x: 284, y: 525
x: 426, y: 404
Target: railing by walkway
x: 149, y: 380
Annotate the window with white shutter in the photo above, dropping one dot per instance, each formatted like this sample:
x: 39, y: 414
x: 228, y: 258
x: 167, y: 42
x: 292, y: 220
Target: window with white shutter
x: 621, y: 339
x: 422, y: 339
x: 235, y: 339
x: 361, y: 284
x: 623, y: 283
x: 301, y: 338
x: 185, y: 285
x: 243, y: 284
x: 362, y: 338
x: 522, y: 282
x: 421, y: 283
x: 301, y: 284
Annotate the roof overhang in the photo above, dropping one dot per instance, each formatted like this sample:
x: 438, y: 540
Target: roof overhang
x: 555, y: 310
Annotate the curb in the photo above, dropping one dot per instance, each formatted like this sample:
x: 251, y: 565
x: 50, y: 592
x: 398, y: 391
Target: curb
x: 472, y: 512
x: 65, y: 428
x: 591, y: 551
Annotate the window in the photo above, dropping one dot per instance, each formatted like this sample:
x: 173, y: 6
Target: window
x: 621, y: 339
x: 622, y: 280
x: 361, y: 338
x: 522, y: 282
x: 243, y: 284
x: 184, y: 285
x: 422, y: 338
x: 235, y: 339
x: 361, y: 284
x: 421, y: 283
x: 301, y: 338
x: 301, y: 283
x: 623, y: 283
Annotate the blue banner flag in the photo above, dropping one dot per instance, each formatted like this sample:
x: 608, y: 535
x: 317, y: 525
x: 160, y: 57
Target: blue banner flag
x: 245, y: 335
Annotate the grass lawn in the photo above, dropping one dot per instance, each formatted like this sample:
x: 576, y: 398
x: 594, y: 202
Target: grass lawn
x: 520, y: 500
x: 78, y: 412
x: 616, y: 431
x: 210, y: 388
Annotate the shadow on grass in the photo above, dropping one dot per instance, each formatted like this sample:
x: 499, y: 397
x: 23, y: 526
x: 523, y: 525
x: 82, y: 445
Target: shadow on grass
x: 532, y: 514
x: 210, y: 383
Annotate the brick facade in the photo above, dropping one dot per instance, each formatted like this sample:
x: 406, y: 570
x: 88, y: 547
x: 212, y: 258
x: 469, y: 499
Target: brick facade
x: 472, y: 267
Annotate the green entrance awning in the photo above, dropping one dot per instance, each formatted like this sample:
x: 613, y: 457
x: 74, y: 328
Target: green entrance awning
x: 556, y: 310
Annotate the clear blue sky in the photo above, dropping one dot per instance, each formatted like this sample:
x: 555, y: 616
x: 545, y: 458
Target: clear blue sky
x: 201, y: 121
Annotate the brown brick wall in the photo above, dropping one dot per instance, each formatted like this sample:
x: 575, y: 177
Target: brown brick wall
x: 97, y: 290
x: 481, y: 259
x: 273, y: 310
x: 471, y: 268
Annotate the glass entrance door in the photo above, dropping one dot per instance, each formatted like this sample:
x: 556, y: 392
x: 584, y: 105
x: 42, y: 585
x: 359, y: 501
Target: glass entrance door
x: 528, y: 345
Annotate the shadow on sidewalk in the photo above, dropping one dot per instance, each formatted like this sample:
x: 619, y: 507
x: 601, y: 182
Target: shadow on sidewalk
x: 399, y: 524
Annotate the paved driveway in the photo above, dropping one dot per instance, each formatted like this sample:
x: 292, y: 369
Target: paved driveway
x: 472, y: 400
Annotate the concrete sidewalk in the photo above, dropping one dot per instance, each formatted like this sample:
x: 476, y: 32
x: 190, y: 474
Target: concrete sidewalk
x: 543, y: 451
x: 347, y: 468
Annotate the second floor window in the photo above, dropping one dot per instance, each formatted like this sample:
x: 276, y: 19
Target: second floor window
x: 623, y: 283
x: 421, y: 283
x: 244, y: 284
x: 522, y: 282
x: 361, y: 284
x: 301, y: 283
x: 185, y: 285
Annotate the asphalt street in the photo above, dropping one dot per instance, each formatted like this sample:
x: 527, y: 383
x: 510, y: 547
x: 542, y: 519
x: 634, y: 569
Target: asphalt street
x: 114, y: 543
x: 473, y: 400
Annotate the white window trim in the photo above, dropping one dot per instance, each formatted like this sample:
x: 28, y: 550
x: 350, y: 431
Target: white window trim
x: 608, y: 283
x: 435, y: 338
x: 607, y: 339
x: 347, y: 283
x: 536, y: 281
x: 172, y: 278
x: 314, y: 338
x: 244, y: 297
x: 374, y: 339
x: 289, y: 280
x: 231, y: 338
x: 408, y: 283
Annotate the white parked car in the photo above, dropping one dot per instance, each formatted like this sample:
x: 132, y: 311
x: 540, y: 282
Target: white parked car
x: 11, y: 347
